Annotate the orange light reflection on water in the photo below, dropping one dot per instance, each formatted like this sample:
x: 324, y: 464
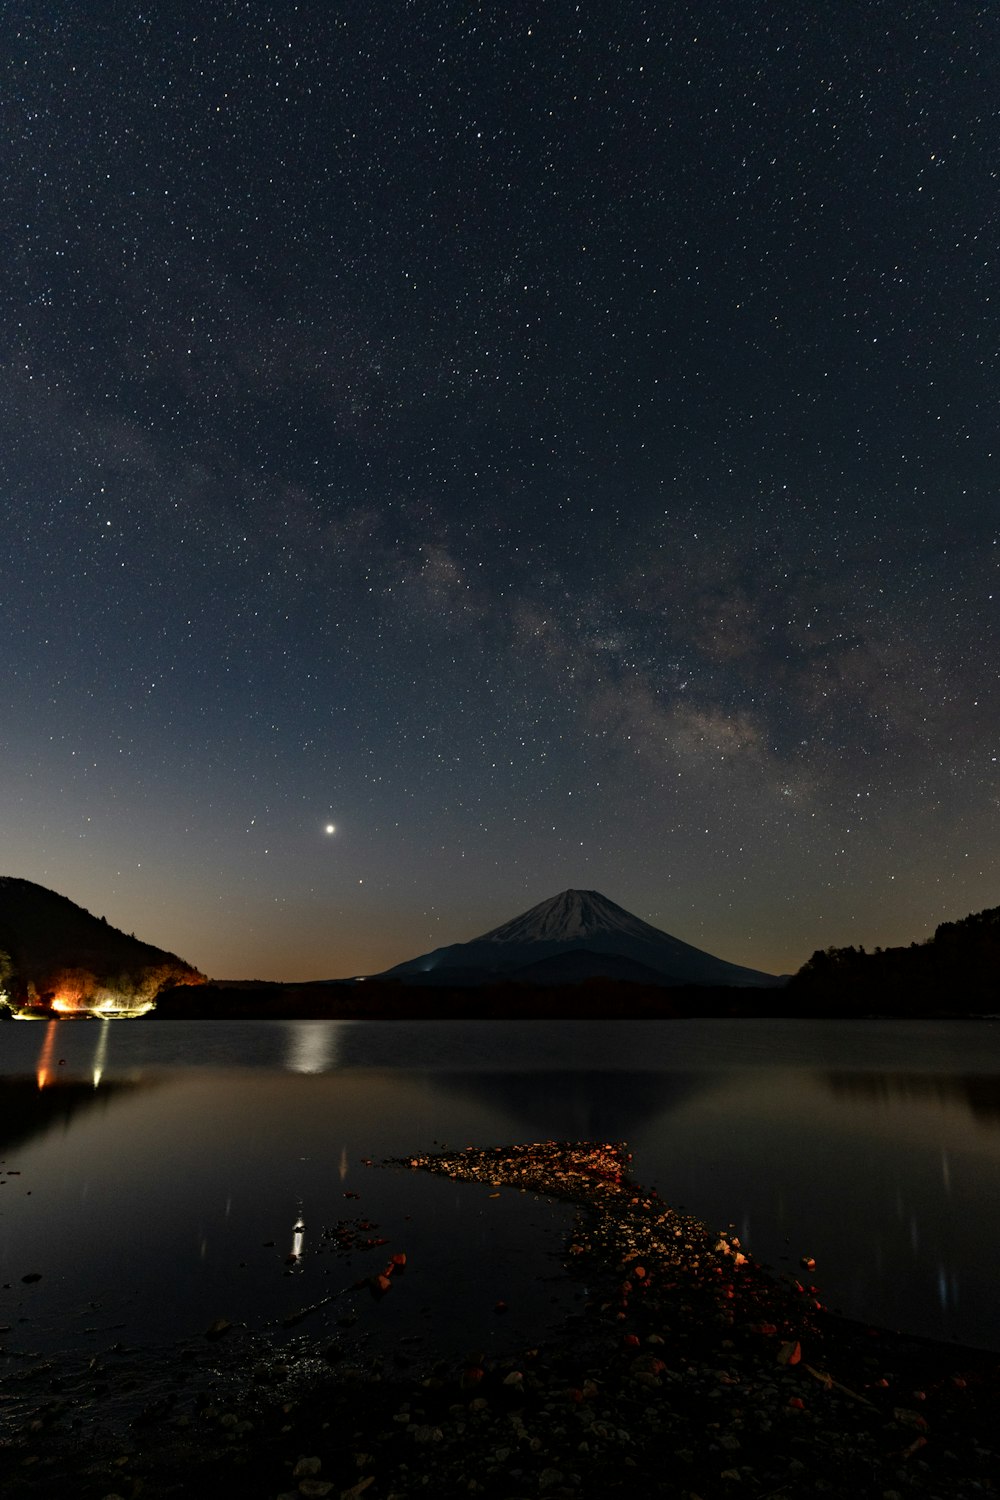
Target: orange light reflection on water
x: 43, y: 1071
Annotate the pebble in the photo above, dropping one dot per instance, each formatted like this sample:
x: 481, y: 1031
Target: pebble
x: 306, y: 1468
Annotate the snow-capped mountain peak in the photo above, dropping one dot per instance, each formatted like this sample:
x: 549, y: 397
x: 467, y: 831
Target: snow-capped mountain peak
x: 579, y: 932
x: 567, y: 917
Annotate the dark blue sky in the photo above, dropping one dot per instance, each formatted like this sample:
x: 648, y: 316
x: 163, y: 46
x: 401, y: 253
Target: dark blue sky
x: 556, y: 445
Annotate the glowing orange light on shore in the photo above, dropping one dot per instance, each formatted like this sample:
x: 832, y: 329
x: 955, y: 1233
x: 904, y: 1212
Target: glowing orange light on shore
x: 70, y: 990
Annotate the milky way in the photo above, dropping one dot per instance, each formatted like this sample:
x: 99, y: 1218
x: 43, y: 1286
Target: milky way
x: 553, y: 446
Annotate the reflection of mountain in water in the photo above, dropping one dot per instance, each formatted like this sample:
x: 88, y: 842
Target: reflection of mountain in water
x: 591, y: 1105
x: 27, y: 1110
x: 978, y: 1092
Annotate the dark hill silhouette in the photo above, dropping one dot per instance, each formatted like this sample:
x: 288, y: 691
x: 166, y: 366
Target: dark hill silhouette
x: 955, y: 972
x: 53, y: 951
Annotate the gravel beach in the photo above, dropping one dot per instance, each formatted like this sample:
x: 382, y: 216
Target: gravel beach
x: 690, y: 1371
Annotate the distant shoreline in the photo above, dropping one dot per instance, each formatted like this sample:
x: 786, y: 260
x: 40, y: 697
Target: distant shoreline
x: 392, y: 1000
x: 593, y: 1000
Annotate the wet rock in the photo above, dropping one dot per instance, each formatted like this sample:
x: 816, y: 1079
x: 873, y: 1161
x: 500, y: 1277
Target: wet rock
x: 307, y: 1468
x: 423, y: 1432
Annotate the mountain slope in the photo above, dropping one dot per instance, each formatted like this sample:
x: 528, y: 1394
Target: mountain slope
x: 53, y: 952
x: 586, y: 924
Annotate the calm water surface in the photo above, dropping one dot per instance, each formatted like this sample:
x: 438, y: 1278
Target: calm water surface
x: 158, y: 1175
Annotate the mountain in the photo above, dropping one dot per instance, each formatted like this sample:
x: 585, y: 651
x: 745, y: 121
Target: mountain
x: 54, y: 955
x: 572, y: 937
x: 580, y: 964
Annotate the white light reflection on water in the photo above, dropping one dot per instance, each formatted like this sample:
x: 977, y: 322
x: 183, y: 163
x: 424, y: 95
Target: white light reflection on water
x: 313, y: 1046
x: 101, y: 1051
x: 298, y: 1237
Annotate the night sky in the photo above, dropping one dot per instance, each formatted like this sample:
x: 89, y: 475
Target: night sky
x: 555, y: 445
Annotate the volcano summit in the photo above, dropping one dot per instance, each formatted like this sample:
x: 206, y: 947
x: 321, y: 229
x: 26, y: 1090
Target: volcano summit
x: 575, y: 936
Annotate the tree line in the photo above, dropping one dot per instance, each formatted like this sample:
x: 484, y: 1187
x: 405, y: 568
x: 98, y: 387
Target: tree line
x: 956, y: 971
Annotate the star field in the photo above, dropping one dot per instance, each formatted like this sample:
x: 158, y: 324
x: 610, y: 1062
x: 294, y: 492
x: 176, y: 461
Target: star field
x: 554, y: 445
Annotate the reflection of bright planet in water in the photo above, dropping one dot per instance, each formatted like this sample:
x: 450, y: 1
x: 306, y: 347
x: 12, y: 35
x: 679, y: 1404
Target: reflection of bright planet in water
x: 297, y: 1237
x: 313, y: 1046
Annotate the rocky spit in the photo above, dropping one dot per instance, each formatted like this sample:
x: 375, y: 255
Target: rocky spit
x: 690, y: 1372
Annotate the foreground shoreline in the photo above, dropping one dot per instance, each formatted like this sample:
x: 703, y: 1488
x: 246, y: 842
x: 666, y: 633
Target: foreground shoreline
x: 690, y: 1372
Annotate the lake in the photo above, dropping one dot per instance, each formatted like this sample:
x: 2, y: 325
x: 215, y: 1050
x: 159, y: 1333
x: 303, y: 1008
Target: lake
x: 156, y: 1176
